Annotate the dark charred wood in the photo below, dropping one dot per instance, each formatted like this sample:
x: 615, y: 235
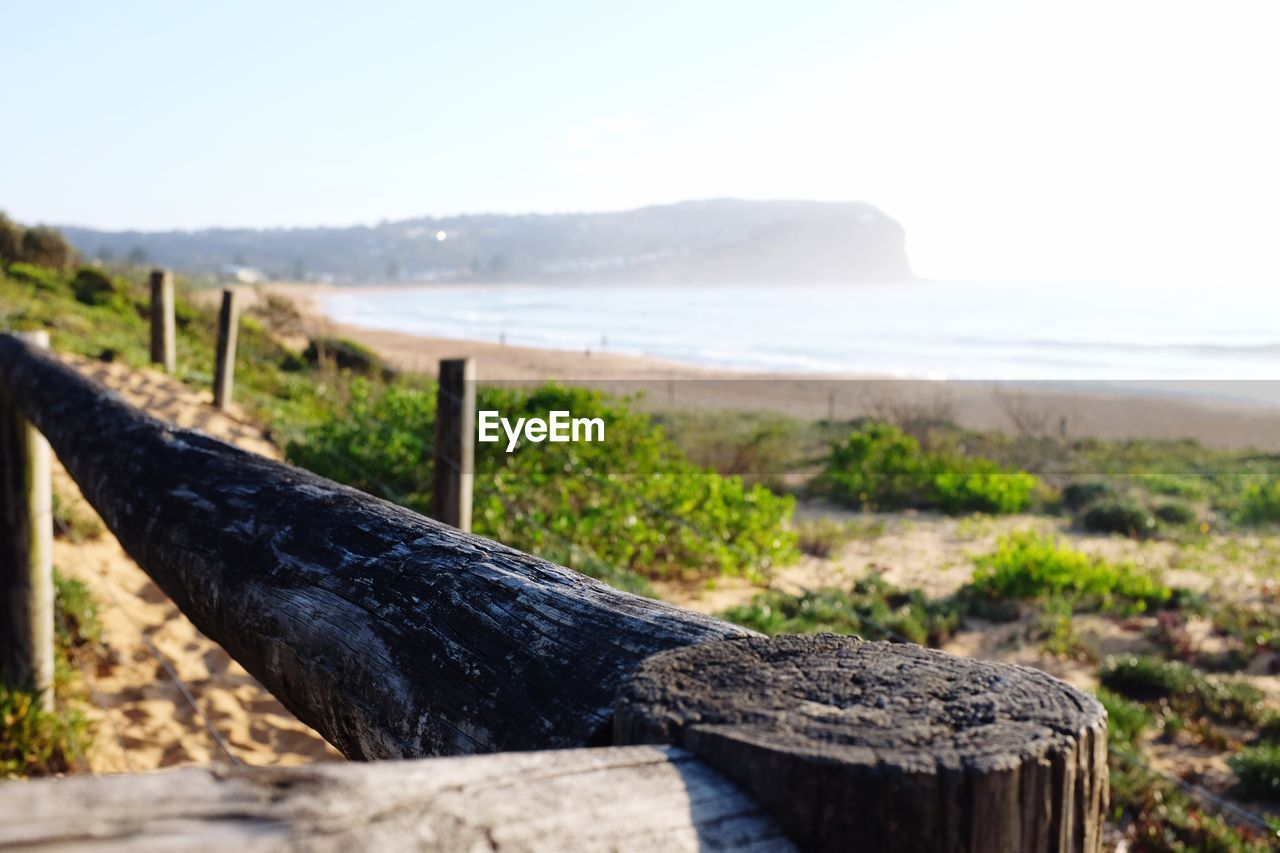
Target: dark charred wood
x: 389, y: 633
x: 874, y: 746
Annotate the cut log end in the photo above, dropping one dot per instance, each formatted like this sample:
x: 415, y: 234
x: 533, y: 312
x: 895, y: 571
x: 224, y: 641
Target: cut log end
x: 894, y: 746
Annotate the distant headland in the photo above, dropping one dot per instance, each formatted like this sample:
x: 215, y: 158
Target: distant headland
x: 708, y: 242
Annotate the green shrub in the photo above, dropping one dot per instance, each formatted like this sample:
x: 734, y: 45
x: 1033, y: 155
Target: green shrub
x: 346, y: 354
x: 35, y: 742
x: 1259, y: 503
x: 93, y: 287
x: 872, y: 608
x: 10, y: 240
x: 880, y: 467
x: 1077, y: 496
x: 46, y: 247
x: 1173, y: 512
x: 1186, y: 688
x: 631, y: 502
x: 77, y: 623
x: 32, y: 274
x: 963, y: 485
x: 1146, y: 678
x: 1187, y: 486
x: 1124, y: 517
x: 1126, y: 720
x: 1027, y: 565
x: 1057, y: 631
x: 1257, y: 770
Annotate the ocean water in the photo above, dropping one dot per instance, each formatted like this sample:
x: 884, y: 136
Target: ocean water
x: 1020, y: 332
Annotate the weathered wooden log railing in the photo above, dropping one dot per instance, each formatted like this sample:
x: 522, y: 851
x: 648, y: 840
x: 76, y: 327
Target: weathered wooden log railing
x: 398, y: 637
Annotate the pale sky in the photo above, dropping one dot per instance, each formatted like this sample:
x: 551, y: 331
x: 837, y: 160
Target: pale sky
x: 1126, y: 140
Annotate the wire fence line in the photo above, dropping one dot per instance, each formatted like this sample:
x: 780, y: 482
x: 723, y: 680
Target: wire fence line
x: 1231, y: 807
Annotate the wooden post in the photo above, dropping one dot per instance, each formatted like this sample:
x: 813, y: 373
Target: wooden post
x: 26, y: 549
x: 878, y: 746
x: 455, y: 442
x: 163, y: 349
x: 224, y: 377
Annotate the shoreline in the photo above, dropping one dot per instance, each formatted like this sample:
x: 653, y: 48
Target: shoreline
x: 1086, y: 410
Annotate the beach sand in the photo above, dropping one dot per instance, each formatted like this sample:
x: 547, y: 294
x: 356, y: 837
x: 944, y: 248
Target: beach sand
x: 143, y: 721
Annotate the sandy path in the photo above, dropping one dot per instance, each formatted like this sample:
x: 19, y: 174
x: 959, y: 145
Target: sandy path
x: 144, y: 722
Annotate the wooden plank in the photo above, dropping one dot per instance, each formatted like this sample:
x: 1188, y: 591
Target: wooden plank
x: 26, y: 549
x: 899, y: 747
x: 455, y: 448
x: 392, y: 635
x: 164, y: 350
x: 225, y: 367
x: 626, y: 798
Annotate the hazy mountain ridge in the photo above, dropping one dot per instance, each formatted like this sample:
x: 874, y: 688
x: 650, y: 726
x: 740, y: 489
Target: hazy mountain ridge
x: 708, y: 241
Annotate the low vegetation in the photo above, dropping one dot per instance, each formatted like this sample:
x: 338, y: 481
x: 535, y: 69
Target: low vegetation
x: 633, y: 502
x: 71, y: 522
x: 871, y: 608
x: 39, y: 742
x: 1186, y: 689
x: 880, y: 467
x: 36, y: 742
x: 1258, y: 770
x: 1259, y: 503
x: 1029, y: 565
x: 1159, y: 815
x: 1119, y: 516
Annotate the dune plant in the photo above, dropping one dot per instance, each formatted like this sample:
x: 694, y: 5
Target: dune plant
x: 872, y: 608
x: 1031, y: 565
x: 880, y: 467
x: 632, y: 501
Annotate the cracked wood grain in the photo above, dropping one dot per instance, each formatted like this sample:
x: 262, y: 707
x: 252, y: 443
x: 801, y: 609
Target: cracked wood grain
x: 615, y: 799
x: 891, y: 747
x: 392, y: 635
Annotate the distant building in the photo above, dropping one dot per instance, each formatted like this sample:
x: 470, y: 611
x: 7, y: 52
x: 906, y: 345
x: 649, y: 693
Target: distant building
x: 243, y: 275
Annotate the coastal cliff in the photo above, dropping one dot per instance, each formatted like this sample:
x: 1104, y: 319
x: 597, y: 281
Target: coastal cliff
x: 721, y: 240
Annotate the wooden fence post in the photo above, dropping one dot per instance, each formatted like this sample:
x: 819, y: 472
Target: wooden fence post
x: 163, y: 348
x: 26, y: 549
x: 878, y: 746
x: 228, y: 323
x: 455, y: 442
